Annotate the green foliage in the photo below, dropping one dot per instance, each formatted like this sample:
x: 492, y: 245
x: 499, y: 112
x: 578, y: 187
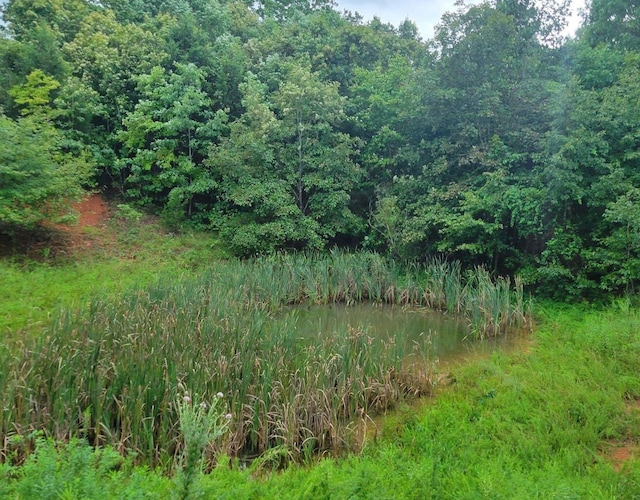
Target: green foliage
x: 40, y: 175
x: 81, y: 477
x: 286, y: 171
x: 288, y: 125
x: 388, y: 117
x: 168, y: 134
x: 39, y: 51
x: 546, y: 421
x: 283, y: 9
x: 75, y: 470
x: 108, y: 58
x: 37, y: 180
x: 128, y: 213
x: 201, y: 424
x: 79, y: 109
x: 387, y: 222
x: 614, y: 23
x: 34, y: 96
x: 63, y: 17
x: 620, y: 255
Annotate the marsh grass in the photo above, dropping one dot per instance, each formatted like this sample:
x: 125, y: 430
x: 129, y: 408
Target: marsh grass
x: 540, y: 423
x: 109, y: 372
x: 124, y: 259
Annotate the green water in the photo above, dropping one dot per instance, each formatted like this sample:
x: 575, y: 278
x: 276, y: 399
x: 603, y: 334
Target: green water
x: 419, y: 333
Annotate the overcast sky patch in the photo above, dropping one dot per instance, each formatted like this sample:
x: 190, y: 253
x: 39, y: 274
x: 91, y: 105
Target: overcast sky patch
x: 424, y: 13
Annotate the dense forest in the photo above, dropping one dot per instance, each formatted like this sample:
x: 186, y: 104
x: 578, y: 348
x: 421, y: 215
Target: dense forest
x: 292, y: 125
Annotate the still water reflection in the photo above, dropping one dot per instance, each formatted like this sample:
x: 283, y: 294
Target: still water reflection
x: 418, y: 331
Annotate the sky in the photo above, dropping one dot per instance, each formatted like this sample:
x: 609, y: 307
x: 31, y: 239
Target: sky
x: 424, y: 13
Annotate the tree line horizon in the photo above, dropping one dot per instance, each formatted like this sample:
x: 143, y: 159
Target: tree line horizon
x: 289, y: 125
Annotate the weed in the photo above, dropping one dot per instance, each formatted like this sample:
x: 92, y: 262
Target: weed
x: 201, y: 424
x: 107, y: 370
x: 535, y: 424
x: 128, y: 213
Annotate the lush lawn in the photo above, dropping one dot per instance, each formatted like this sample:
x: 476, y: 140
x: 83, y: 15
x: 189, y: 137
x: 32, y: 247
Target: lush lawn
x: 128, y: 254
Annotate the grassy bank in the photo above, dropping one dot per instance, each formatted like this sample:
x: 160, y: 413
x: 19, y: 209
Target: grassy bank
x: 148, y: 317
x: 119, y: 256
x: 558, y: 421
x: 111, y: 371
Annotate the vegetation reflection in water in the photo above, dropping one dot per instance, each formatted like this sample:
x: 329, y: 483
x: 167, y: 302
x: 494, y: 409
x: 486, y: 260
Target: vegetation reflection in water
x: 422, y: 335
x: 113, y: 371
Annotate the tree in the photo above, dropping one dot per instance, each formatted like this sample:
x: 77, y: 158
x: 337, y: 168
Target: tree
x: 286, y: 171
x: 37, y: 177
x: 167, y: 136
x: 620, y: 257
x: 108, y: 58
x: 62, y: 16
x: 34, y: 95
x: 40, y: 50
x: 387, y: 115
x: 255, y: 210
x: 283, y: 9
x: 615, y: 23
x: 315, y: 156
x: 485, y: 113
x: 37, y: 180
x: 81, y: 114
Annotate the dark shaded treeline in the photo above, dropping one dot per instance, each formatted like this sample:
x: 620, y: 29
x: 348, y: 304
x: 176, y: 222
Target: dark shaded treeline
x: 292, y: 125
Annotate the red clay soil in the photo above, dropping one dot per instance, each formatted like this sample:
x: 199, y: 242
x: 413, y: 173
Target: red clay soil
x: 621, y: 451
x: 89, y: 232
x: 94, y: 212
x: 60, y: 240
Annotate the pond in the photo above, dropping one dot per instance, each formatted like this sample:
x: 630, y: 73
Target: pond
x: 420, y: 334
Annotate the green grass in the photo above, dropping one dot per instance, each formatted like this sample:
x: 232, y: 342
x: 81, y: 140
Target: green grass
x: 86, y: 353
x: 536, y: 424
x: 30, y: 293
x: 110, y: 369
x: 130, y: 255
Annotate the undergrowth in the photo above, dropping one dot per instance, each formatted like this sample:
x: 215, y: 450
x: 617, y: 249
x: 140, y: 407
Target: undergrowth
x: 109, y: 370
x: 533, y: 424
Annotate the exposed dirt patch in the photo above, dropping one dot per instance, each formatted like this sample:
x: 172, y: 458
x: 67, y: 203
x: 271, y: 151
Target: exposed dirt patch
x: 633, y: 406
x: 94, y: 213
x: 90, y: 233
x: 619, y: 452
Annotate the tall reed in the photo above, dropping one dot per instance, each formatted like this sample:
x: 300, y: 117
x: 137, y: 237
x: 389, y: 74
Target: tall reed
x: 110, y: 372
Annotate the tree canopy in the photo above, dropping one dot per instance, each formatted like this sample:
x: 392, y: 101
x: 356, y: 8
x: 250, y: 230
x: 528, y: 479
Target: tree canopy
x: 292, y: 125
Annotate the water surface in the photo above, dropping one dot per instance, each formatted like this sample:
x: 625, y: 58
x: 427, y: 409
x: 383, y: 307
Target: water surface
x: 419, y: 333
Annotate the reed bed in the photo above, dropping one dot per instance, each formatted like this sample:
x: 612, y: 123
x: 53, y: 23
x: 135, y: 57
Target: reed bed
x: 113, y: 372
